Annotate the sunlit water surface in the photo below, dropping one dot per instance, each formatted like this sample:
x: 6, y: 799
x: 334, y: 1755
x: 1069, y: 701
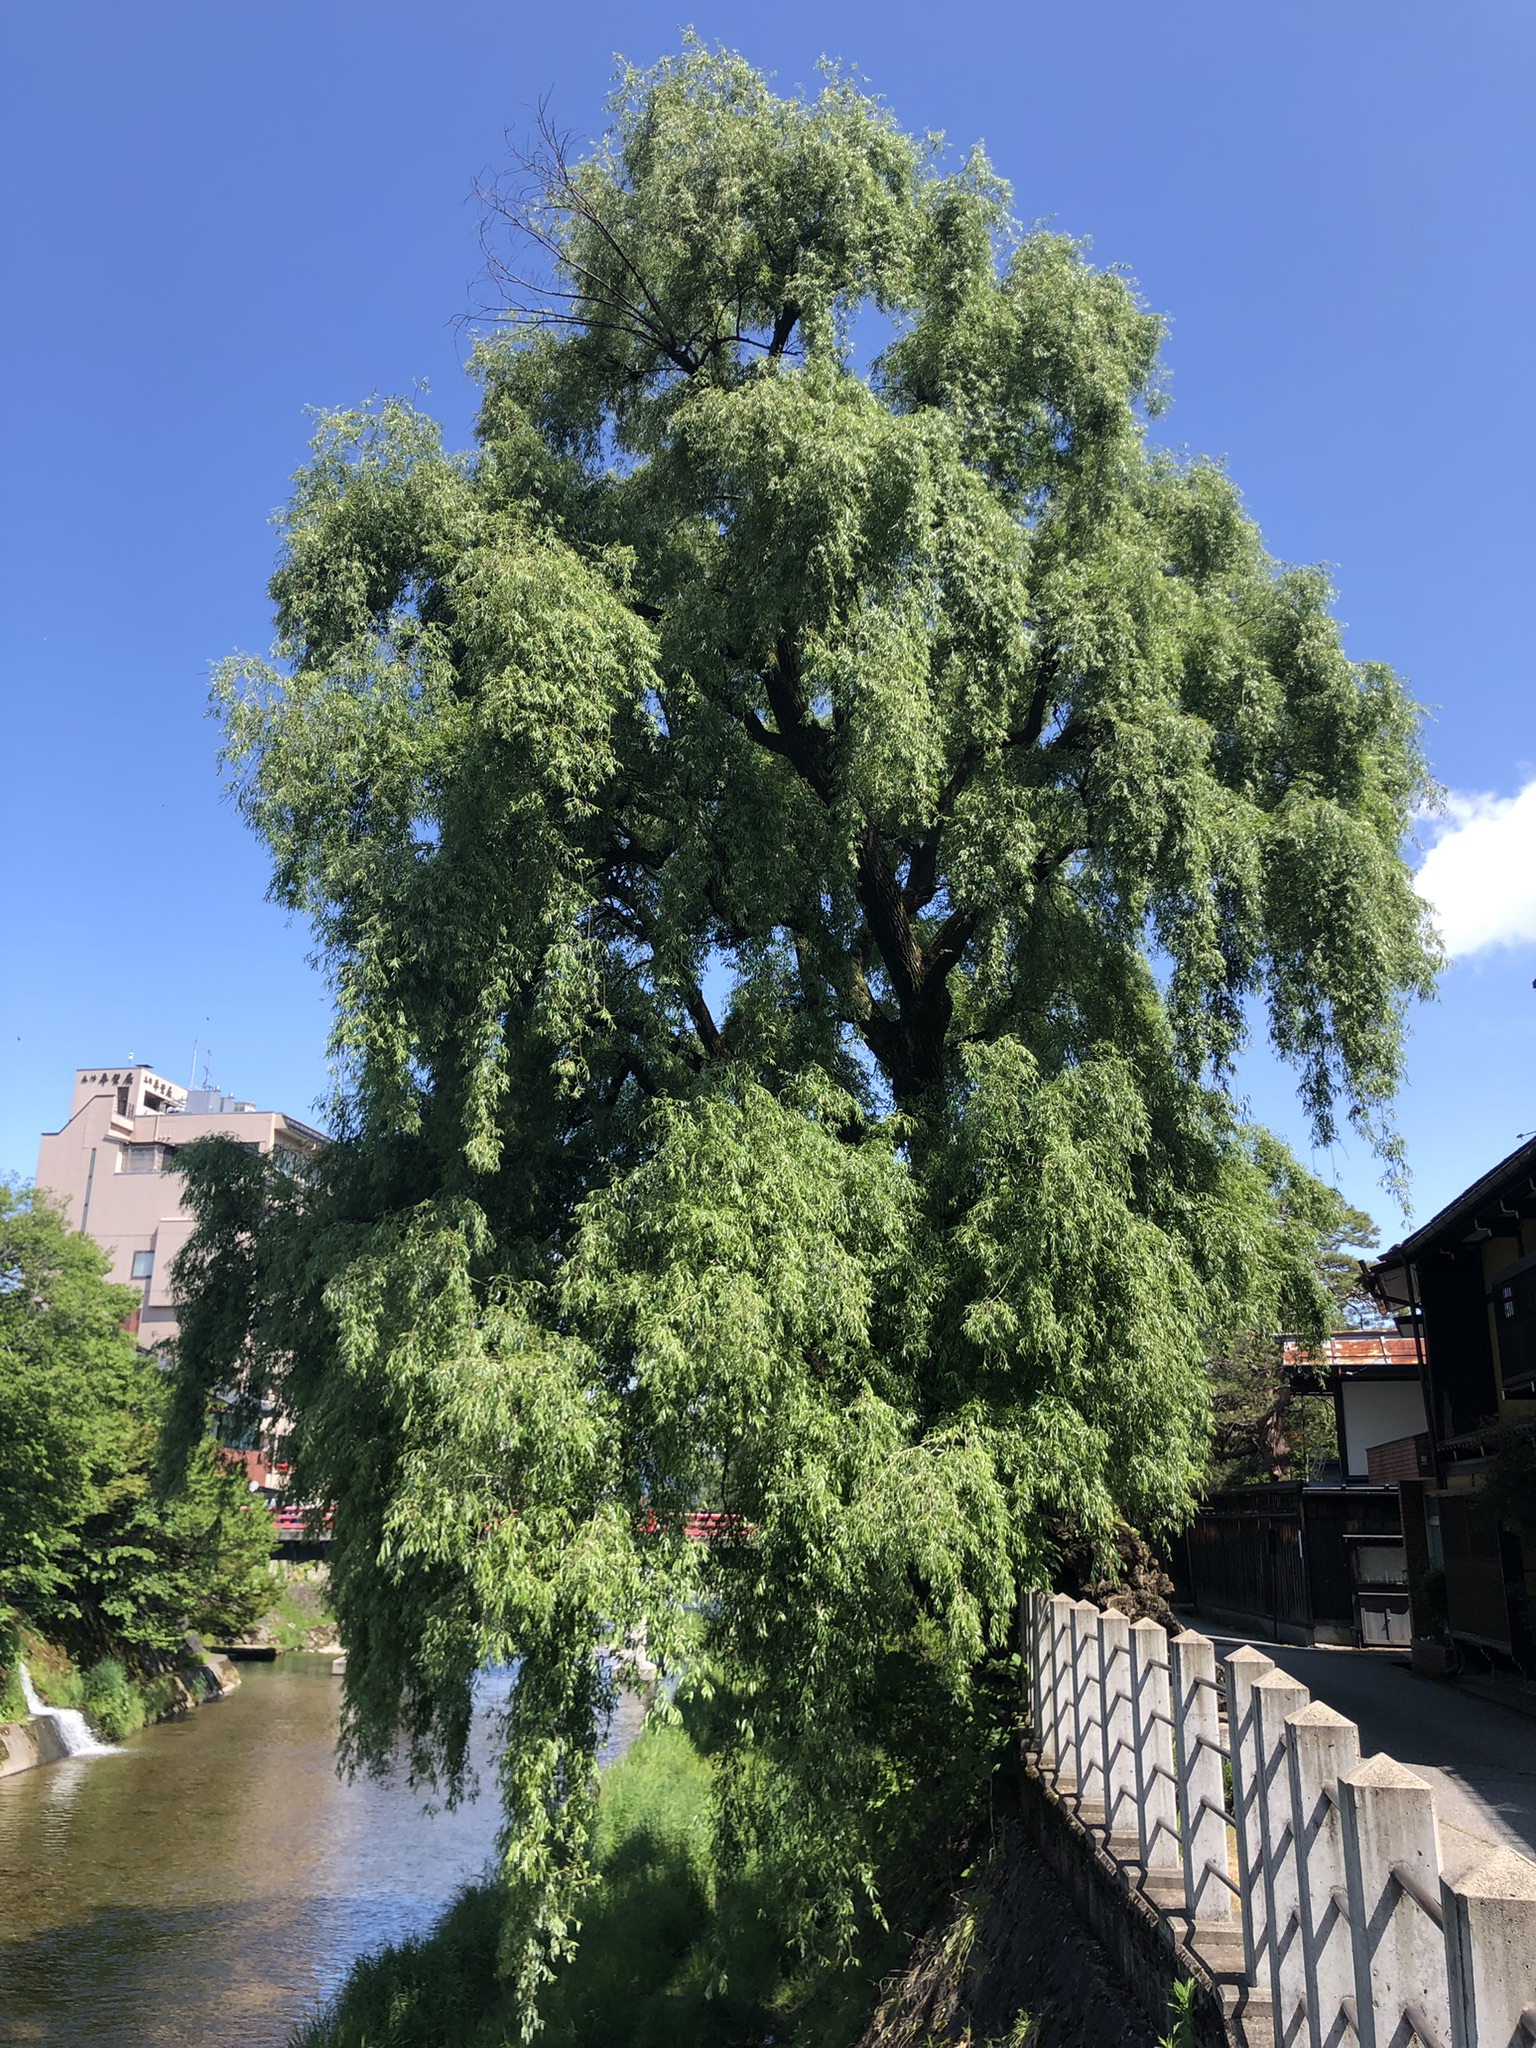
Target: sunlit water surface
x: 212, y: 1883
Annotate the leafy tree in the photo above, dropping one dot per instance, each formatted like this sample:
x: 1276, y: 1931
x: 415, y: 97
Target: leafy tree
x: 63, y: 1357
x: 88, y: 1550
x: 142, y: 1569
x: 1264, y: 1423
x: 798, y: 844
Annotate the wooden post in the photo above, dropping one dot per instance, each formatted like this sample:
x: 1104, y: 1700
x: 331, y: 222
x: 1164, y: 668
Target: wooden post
x: 1202, y: 1811
x: 1157, y: 1813
x: 1063, y: 1712
x: 1120, y: 1830
x: 1089, y: 1702
x: 1244, y: 1667
x: 1490, y: 1952
x: 1392, y: 1870
x: 1323, y: 1745
x: 1274, y: 1697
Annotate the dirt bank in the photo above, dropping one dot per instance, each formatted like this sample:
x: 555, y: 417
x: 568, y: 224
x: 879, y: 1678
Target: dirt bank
x: 1008, y: 1964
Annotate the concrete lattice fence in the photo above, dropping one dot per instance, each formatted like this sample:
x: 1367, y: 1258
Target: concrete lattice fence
x: 1306, y: 1882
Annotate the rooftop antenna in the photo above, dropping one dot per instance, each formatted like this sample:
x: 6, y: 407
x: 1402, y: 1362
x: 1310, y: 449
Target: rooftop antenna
x: 192, y: 1077
x: 208, y: 1068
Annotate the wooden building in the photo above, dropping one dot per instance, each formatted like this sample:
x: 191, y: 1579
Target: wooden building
x: 1299, y: 1563
x: 1464, y: 1288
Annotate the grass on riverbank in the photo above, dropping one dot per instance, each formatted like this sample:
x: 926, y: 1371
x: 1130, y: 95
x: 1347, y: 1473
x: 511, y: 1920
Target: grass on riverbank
x: 642, y: 1920
x: 642, y: 1975
x: 300, y: 1617
x: 12, y: 1701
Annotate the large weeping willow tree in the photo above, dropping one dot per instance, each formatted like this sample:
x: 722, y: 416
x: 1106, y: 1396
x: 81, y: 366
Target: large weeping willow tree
x: 799, y: 821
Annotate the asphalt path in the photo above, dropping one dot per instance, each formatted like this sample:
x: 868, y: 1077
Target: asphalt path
x: 1479, y: 1758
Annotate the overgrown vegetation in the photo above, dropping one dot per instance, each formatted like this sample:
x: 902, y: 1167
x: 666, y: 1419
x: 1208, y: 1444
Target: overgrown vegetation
x: 113, y: 1704
x: 647, y: 1973
x: 1183, y: 2031
x: 114, y: 1701
x: 12, y: 1701
x: 798, y: 844
x: 93, y: 1558
x: 298, y: 1613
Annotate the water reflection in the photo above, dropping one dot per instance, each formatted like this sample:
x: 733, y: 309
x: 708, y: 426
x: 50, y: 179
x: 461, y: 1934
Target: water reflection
x: 214, y: 1880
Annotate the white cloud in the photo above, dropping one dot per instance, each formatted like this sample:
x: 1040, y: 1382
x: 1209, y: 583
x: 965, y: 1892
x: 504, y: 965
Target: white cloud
x: 1480, y: 875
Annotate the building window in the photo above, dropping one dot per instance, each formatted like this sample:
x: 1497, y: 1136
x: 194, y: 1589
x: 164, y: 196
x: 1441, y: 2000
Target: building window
x: 146, y: 1158
x: 143, y: 1265
x: 1515, y: 1322
x: 122, y: 1101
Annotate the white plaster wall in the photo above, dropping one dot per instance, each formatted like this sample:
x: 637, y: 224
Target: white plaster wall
x: 1378, y: 1412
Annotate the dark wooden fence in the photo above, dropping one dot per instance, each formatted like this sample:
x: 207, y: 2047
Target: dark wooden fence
x: 1280, y: 1557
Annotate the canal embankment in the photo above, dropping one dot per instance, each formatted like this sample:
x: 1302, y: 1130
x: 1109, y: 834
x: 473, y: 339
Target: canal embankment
x: 299, y: 1616
x: 214, y: 1878
x: 52, y: 1707
x: 54, y: 1710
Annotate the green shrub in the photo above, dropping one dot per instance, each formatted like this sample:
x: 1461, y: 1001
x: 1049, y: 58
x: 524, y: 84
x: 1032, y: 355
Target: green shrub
x: 12, y: 1705
x: 114, y: 1705
x: 1184, y: 2028
x: 54, y: 1678
x: 630, y: 1982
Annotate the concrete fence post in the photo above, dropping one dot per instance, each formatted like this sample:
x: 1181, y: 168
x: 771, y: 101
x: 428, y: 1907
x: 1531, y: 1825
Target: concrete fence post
x: 1157, y: 1814
x: 1392, y: 1871
x: 1063, y: 1711
x: 1089, y: 1700
x: 1202, y: 1811
x: 1120, y: 1830
x: 1347, y: 1922
x: 1274, y: 1698
x: 1050, y: 1728
x: 1037, y: 1648
x: 1322, y: 1745
x: 1490, y: 1952
x: 1244, y: 1667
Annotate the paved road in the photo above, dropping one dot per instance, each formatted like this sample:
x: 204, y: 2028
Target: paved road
x: 1480, y: 1758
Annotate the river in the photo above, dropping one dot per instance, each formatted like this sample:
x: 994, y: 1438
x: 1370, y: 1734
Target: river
x: 211, y: 1883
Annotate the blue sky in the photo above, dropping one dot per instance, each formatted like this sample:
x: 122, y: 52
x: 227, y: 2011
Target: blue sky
x: 215, y: 216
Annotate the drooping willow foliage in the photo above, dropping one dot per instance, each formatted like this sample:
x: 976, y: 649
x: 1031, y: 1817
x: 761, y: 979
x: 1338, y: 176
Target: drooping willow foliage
x: 797, y: 847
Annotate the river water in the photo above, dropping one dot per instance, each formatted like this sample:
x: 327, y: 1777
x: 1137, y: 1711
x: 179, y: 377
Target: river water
x: 211, y: 1883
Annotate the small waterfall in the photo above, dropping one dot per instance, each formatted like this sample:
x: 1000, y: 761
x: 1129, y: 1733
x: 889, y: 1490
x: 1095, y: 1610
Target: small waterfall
x: 69, y: 1725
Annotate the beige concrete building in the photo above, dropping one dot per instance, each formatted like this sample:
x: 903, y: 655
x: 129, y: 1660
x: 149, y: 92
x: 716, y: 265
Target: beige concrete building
x: 113, y: 1166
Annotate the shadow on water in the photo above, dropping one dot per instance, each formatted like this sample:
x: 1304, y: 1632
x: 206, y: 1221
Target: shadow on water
x: 213, y: 1881
x: 136, y: 1975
